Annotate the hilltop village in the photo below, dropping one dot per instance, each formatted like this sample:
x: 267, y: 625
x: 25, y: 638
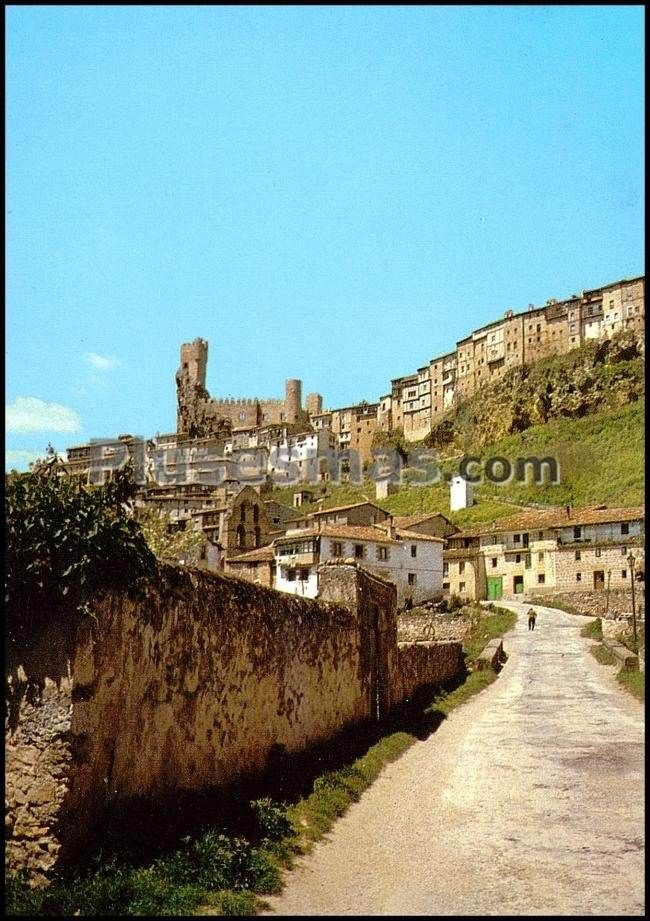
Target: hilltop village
x: 292, y: 618
x: 248, y: 533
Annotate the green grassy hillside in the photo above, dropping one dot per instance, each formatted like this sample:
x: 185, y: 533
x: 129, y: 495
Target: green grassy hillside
x: 600, y: 458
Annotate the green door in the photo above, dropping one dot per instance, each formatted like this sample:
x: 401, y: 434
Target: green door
x: 494, y: 588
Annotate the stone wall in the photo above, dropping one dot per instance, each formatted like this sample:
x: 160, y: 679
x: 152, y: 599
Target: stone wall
x: 190, y: 686
x: 38, y: 755
x: 594, y: 604
x: 420, y: 665
x: 419, y: 627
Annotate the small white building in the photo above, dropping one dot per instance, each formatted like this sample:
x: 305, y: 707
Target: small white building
x: 413, y: 562
x: 461, y: 494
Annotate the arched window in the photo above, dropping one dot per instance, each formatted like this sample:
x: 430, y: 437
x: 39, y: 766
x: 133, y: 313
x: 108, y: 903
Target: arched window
x: 241, y: 537
x: 258, y: 537
x: 256, y: 513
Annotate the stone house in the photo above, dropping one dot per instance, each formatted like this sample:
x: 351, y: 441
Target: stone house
x: 463, y: 574
x: 559, y: 549
x: 256, y: 566
x: 434, y: 524
x: 359, y: 514
x: 413, y: 562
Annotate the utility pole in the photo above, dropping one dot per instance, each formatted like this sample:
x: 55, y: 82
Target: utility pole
x: 631, y: 560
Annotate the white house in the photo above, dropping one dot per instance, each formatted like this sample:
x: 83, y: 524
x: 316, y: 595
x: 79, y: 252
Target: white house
x: 413, y: 562
x: 305, y: 456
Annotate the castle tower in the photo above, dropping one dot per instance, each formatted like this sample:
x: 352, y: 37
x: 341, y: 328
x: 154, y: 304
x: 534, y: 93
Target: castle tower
x: 194, y: 361
x: 292, y: 399
x: 314, y: 404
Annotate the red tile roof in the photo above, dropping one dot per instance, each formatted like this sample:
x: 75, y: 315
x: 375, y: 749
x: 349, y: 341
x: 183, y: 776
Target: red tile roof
x: 261, y: 555
x: 541, y: 519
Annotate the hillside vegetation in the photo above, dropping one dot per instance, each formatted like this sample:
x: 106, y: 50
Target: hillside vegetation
x: 585, y: 408
x: 595, y: 378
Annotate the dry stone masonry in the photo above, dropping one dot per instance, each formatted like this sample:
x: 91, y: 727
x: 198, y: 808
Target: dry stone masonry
x: 189, y: 687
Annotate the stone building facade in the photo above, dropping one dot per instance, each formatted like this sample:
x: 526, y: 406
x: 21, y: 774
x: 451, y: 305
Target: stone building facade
x: 418, y: 401
x: 550, y: 550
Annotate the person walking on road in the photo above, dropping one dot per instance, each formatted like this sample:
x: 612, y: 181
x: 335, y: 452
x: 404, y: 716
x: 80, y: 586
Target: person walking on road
x: 531, y: 618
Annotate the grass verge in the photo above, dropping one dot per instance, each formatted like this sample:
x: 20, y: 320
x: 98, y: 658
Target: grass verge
x: 633, y: 681
x: 593, y: 630
x: 220, y: 874
x: 497, y: 622
x: 603, y: 655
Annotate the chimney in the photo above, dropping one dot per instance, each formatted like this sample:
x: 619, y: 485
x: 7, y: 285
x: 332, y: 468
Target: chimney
x: 391, y: 528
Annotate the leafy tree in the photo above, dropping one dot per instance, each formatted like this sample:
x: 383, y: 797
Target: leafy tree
x: 66, y: 541
x: 168, y: 542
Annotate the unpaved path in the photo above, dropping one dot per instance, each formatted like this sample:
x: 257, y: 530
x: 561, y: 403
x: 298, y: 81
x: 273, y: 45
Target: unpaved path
x: 527, y: 800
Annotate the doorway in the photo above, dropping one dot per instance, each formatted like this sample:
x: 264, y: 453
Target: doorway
x: 494, y: 588
x: 519, y: 585
x: 599, y: 580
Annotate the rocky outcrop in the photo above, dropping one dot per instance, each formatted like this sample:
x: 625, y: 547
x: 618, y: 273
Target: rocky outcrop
x: 194, y: 418
x: 597, y: 376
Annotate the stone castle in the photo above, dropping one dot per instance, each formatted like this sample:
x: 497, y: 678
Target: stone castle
x: 200, y: 415
x: 416, y: 402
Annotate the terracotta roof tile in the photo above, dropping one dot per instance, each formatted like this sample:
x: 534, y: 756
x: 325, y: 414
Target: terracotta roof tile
x: 540, y: 519
x: 344, y: 508
x: 262, y: 554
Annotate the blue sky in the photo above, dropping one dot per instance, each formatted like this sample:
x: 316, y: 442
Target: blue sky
x: 331, y: 193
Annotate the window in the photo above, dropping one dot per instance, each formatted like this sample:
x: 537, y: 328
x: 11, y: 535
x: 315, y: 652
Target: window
x: 623, y: 573
x: 337, y: 548
x: 578, y: 554
x: 540, y: 556
x: 541, y: 578
x: 382, y: 553
x: 445, y: 569
x: 304, y: 575
x: 256, y: 513
x: 461, y: 567
x: 358, y: 551
x: 625, y: 528
x: 414, y: 550
x: 623, y: 551
x: 578, y: 577
x: 577, y: 533
x: 461, y: 586
x: 412, y: 578
x: 291, y: 575
x: 598, y: 551
x: 518, y: 558
x: 540, y: 535
x: 494, y: 562
x: 516, y: 538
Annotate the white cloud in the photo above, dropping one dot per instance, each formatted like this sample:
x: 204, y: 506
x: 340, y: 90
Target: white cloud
x: 20, y: 459
x: 101, y: 362
x: 29, y: 414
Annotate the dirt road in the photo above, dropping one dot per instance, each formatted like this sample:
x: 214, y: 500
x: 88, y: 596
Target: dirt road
x: 527, y: 800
